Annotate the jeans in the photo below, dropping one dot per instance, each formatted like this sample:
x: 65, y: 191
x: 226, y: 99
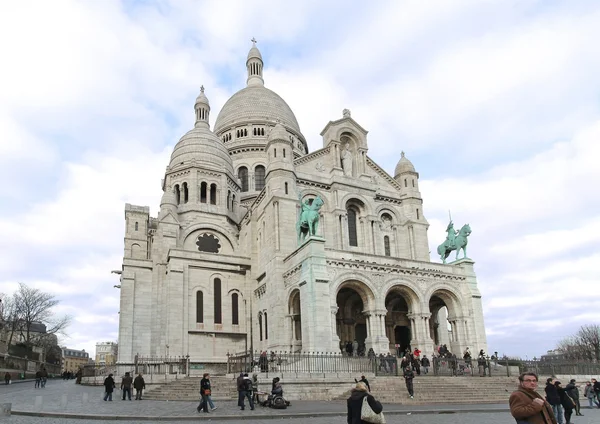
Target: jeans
x: 409, y: 387
x: 108, y: 396
x: 591, y: 401
x: 247, y: 394
x: 426, y: 369
x: 210, y: 402
x: 44, y: 379
x: 38, y: 382
x: 127, y: 390
x: 558, y: 413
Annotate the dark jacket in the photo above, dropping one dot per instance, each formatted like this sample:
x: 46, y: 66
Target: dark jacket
x: 409, y: 375
x: 355, y: 402
x: 109, y: 384
x: 523, y: 408
x: 552, y: 394
x: 572, y: 390
x: 596, y: 386
x: 126, y: 382
x: 241, y: 386
x: 204, y: 386
x: 565, y: 400
x: 425, y: 362
x: 139, y: 383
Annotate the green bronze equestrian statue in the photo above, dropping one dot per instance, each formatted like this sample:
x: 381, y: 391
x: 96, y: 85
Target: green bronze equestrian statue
x: 308, y: 222
x: 455, y: 240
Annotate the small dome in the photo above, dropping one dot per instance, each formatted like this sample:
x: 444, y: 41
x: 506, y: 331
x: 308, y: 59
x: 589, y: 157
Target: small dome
x: 254, y: 53
x: 168, y: 198
x: 256, y: 104
x: 202, y: 97
x: 278, y: 133
x: 201, y: 146
x: 404, y: 165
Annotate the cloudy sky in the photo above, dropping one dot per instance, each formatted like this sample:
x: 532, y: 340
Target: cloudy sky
x: 496, y: 102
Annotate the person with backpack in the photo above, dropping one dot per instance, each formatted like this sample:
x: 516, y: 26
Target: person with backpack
x: 246, y: 392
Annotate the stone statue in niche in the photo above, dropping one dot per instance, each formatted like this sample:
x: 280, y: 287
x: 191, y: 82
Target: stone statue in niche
x: 386, y: 223
x: 346, y: 156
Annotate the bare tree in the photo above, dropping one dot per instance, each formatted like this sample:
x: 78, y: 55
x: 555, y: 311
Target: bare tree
x: 33, y: 306
x: 10, y: 318
x: 585, y: 344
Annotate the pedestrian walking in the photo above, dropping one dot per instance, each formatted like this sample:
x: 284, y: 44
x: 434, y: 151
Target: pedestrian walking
x: 409, y: 375
x: 596, y: 389
x: 527, y: 405
x: 205, y: 393
x: 126, y: 383
x: 7, y: 378
x: 588, y: 393
x: 44, y: 377
x: 139, y: 385
x: 565, y: 400
x: 38, y: 379
x: 355, y: 404
x: 363, y: 379
x: 553, y: 399
x: 109, y: 387
x: 240, y: 387
x: 247, y: 393
x: 426, y: 364
x: 573, y: 392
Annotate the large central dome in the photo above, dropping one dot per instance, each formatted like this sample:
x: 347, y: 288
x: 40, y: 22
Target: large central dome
x: 256, y: 103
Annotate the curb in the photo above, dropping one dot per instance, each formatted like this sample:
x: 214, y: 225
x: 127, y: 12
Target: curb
x: 247, y: 417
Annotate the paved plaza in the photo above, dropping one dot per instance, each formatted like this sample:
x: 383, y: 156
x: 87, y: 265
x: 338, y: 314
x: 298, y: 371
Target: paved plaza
x: 70, y: 400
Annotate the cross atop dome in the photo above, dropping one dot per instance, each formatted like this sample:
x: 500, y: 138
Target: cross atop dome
x: 254, y: 41
x: 254, y: 65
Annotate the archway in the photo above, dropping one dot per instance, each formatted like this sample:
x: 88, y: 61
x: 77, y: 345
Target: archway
x: 295, y: 314
x: 352, y: 300
x: 397, y: 323
x: 443, y: 306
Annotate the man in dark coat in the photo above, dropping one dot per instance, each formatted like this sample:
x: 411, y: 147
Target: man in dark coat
x: 38, y: 379
x: 408, y: 377
x: 527, y: 405
x: 554, y: 399
x: 596, y: 388
x: 426, y: 364
x: 240, y: 389
x: 139, y: 385
x: 573, y: 392
x: 44, y: 377
x: 126, y: 383
x: 109, y: 386
x: 355, y: 403
x: 363, y: 379
x: 247, y: 392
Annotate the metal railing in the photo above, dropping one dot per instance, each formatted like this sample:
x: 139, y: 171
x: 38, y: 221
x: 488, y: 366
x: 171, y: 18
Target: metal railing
x: 310, y: 363
x: 161, y: 364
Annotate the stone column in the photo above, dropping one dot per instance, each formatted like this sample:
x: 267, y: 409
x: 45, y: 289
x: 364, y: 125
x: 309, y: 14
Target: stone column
x: 344, y: 230
x: 276, y: 212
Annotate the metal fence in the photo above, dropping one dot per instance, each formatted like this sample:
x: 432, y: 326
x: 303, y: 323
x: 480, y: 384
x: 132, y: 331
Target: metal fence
x: 161, y: 364
x: 310, y: 363
x: 561, y: 367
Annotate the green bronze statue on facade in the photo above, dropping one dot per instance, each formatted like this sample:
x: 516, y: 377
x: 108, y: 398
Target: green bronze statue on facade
x: 308, y: 222
x: 455, y: 240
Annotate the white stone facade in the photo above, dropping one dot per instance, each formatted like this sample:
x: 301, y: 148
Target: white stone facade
x: 220, y: 269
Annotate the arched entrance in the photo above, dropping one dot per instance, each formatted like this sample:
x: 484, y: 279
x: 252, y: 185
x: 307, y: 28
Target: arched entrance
x: 443, y: 306
x: 295, y: 321
x: 397, y: 323
x: 351, y: 322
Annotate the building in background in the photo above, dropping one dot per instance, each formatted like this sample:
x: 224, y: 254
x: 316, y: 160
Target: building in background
x: 106, y: 353
x: 73, y: 359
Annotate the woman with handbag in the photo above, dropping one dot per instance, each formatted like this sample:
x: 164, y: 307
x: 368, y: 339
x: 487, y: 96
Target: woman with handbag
x: 567, y: 403
x: 205, y: 393
x: 363, y: 408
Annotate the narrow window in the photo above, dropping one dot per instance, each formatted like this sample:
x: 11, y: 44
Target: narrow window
x: 405, y: 183
x: 243, y: 176
x: 418, y: 214
x: 199, y: 307
x: 233, y: 202
x: 386, y: 245
x: 259, y: 177
x: 260, y: 325
x: 217, y: 291
x: 235, y: 319
x: 213, y: 194
x: 228, y: 200
x: 284, y: 153
x: 262, y: 131
x: 266, y: 328
x: 352, y: 234
x: 203, y: 192
x: 136, y: 226
x: 274, y: 153
x: 186, y: 194
x: 177, y: 193
x: 286, y: 188
x: 413, y: 182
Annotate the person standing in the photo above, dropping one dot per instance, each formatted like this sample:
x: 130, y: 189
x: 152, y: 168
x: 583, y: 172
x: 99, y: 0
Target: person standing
x: 44, y: 377
x: 481, y: 365
x: 38, y: 379
x: 567, y: 403
x: 527, y: 405
x: 573, y: 392
x: 247, y: 393
x: 109, y: 387
x: 596, y: 389
x: 126, y: 383
x: 364, y: 380
x: 554, y: 399
x: 426, y: 364
x: 7, y: 378
x: 240, y: 387
x: 588, y: 393
x: 355, y: 404
x: 409, y: 375
x: 139, y: 385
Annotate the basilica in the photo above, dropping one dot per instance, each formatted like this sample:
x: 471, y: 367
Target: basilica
x: 260, y: 244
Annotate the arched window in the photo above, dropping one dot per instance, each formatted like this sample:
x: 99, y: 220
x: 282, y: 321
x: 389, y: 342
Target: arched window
x: 213, y: 194
x: 199, y: 307
x: 386, y: 245
x: 235, y: 319
x: 266, y: 328
x: 259, y: 177
x: 260, y: 325
x: 217, y: 293
x: 233, y: 202
x: 203, y: 192
x: 352, y: 233
x: 274, y: 153
x: 284, y: 153
x: 243, y: 176
x: 405, y: 182
x: 286, y: 188
x: 229, y: 200
x: 418, y: 214
x: 186, y: 194
x: 177, y: 193
x: 413, y: 182
x: 136, y: 226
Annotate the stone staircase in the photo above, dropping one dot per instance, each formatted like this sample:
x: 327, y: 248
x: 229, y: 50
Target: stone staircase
x: 188, y: 389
